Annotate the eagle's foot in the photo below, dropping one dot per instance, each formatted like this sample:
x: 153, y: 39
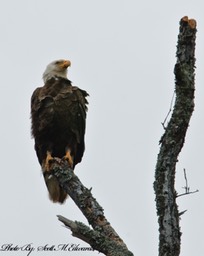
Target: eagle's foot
x: 49, y: 159
x: 68, y: 158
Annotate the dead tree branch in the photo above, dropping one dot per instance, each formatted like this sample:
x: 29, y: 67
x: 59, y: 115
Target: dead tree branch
x: 102, y: 237
x: 173, y: 139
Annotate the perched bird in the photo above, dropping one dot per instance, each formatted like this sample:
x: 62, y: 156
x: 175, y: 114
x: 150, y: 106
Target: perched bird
x: 58, y: 116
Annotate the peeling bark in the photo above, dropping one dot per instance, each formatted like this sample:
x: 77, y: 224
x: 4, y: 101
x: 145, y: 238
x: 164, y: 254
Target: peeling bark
x: 173, y: 139
x: 102, y: 237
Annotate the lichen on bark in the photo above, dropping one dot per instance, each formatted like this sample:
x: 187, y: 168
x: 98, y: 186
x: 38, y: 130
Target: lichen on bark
x: 173, y: 139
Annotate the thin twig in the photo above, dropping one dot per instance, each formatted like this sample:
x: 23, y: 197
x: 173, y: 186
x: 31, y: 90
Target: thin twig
x: 184, y: 194
x: 170, y: 109
x: 187, y: 188
x: 181, y: 213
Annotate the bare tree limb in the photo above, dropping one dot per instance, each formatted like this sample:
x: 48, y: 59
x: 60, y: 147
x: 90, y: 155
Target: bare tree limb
x: 93, y: 237
x: 173, y: 139
x: 102, y: 237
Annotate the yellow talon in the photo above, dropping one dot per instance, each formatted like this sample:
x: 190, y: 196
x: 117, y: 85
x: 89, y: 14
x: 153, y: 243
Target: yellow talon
x: 69, y: 158
x: 46, y: 164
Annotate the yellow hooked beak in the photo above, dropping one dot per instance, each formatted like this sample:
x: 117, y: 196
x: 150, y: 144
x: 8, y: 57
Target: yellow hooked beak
x: 65, y: 64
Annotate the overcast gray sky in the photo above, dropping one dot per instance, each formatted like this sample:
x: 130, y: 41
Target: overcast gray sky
x: 123, y: 54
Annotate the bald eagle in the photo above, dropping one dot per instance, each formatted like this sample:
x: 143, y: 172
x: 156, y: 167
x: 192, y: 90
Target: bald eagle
x: 58, y: 117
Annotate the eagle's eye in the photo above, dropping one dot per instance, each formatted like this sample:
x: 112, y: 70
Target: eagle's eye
x: 57, y: 62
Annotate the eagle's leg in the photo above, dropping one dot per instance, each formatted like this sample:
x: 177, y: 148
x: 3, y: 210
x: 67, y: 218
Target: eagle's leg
x: 46, y: 164
x: 69, y: 157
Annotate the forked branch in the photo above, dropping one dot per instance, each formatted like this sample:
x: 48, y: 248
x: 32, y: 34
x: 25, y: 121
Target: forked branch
x: 102, y: 237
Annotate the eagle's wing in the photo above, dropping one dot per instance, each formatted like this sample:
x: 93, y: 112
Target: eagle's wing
x: 80, y: 98
x: 41, y: 110
x: 71, y: 102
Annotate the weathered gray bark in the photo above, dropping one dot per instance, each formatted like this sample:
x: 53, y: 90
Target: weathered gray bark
x: 173, y: 139
x: 102, y: 237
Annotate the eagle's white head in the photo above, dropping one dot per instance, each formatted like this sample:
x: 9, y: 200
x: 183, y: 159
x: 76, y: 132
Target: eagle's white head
x: 56, y: 68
